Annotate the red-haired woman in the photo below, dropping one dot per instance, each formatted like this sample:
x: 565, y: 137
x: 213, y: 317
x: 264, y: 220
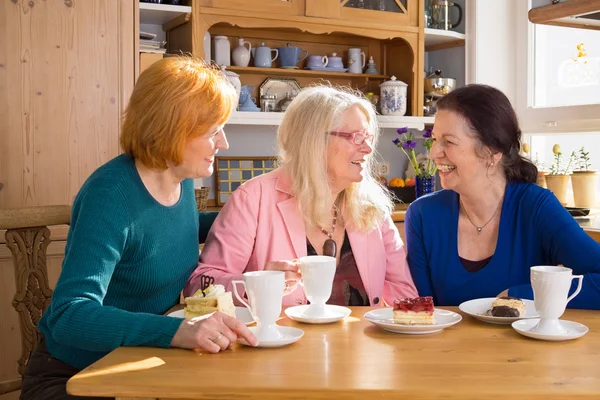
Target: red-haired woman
x: 133, y: 240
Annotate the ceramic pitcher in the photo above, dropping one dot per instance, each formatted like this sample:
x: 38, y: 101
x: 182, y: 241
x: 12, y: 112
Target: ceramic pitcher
x: 289, y: 56
x: 356, y: 61
x: 262, y: 56
x: 241, y: 54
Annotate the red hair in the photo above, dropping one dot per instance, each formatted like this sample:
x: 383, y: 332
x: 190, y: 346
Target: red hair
x: 176, y: 99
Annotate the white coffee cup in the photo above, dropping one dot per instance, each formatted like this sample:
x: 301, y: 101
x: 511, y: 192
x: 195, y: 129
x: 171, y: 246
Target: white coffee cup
x: 317, y: 280
x: 551, y: 294
x: 265, y: 293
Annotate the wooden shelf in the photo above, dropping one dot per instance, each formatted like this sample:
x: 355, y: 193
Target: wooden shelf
x: 303, y: 72
x: 274, y: 119
x: 438, y: 39
x: 159, y: 14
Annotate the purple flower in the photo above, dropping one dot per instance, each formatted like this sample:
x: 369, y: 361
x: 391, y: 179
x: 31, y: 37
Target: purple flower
x: 427, y: 133
x: 396, y: 141
x: 409, y: 145
x: 400, y: 131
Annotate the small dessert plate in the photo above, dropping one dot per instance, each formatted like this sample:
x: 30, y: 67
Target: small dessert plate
x: 241, y: 313
x: 574, y: 330
x: 289, y: 335
x: 384, y: 318
x: 478, y: 308
x: 332, y: 313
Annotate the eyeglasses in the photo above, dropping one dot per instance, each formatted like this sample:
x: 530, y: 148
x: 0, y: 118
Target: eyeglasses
x: 357, y: 138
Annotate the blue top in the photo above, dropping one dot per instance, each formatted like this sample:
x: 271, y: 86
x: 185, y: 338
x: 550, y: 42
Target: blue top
x: 534, y: 229
x: 127, y: 259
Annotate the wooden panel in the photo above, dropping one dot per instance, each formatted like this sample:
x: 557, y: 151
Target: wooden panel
x: 282, y: 7
x: 10, y: 337
x: 323, y: 9
x: 63, y: 84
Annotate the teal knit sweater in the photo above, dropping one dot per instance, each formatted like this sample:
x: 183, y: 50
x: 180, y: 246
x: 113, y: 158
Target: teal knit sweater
x: 126, y: 261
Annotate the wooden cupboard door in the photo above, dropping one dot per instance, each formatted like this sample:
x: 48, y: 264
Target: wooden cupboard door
x: 282, y: 7
x: 66, y: 73
x: 388, y: 13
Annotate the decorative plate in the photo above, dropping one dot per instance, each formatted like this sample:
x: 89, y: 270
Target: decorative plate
x: 280, y: 87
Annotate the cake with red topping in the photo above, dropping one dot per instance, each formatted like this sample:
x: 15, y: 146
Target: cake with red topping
x: 414, y: 311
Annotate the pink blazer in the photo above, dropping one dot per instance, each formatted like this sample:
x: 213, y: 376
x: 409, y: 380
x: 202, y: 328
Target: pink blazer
x: 261, y: 222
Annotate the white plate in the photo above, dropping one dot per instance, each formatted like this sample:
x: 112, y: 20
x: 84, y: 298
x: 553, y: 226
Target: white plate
x: 289, y: 335
x: 384, y: 318
x: 241, y: 313
x: 574, y: 330
x: 332, y: 313
x: 478, y: 307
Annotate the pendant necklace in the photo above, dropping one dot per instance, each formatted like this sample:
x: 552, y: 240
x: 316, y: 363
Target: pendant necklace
x: 330, y: 247
x: 480, y: 228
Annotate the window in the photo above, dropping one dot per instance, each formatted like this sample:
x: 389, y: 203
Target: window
x: 566, y: 66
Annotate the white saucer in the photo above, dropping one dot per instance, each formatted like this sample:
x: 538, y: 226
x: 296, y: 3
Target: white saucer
x: 574, y: 330
x: 289, y: 335
x: 478, y: 307
x: 241, y: 313
x: 384, y: 318
x: 332, y: 313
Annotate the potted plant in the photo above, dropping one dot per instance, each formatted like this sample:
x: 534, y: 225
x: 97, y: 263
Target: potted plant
x: 542, y: 172
x: 558, y: 178
x: 425, y: 171
x: 585, y: 181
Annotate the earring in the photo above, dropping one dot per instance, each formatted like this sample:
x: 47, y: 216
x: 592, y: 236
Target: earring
x: 492, y: 164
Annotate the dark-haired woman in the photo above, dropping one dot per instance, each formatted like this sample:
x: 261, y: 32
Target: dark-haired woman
x: 480, y: 235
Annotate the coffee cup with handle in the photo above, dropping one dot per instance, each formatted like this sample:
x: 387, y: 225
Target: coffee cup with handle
x: 551, y: 286
x: 317, y: 281
x: 265, y: 293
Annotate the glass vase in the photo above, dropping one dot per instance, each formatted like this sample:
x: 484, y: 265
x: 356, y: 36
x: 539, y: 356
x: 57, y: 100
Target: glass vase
x: 425, y: 185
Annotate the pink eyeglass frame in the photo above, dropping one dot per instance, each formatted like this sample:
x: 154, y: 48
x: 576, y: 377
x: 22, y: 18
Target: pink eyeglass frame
x: 352, y: 136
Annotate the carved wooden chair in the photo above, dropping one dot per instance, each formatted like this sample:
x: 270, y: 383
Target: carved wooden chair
x: 28, y: 237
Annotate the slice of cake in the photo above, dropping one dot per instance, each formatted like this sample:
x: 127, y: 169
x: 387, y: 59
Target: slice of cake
x: 414, y: 311
x: 507, y: 306
x: 213, y: 298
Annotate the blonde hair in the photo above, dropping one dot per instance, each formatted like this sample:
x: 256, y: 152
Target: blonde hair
x: 303, y: 139
x: 176, y: 99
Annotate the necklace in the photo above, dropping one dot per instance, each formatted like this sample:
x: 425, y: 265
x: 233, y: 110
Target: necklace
x: 480, y: 228
x: 330, y: 247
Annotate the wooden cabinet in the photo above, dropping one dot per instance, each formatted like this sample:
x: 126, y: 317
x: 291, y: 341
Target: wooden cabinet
x: 282, y: 7
x: 66, y: 73
x: 398, y: 49
x: 387, y: 13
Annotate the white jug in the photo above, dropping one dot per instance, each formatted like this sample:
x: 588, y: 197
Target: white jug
x: 241, y: 54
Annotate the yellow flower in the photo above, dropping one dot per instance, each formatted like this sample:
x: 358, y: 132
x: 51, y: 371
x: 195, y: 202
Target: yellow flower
x: 556, y: 149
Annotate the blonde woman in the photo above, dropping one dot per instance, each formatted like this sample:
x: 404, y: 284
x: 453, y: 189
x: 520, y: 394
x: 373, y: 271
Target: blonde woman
x: 322, y: 200
x: 133, y: 239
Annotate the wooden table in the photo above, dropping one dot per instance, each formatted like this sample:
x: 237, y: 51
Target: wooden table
x: 354, y: 359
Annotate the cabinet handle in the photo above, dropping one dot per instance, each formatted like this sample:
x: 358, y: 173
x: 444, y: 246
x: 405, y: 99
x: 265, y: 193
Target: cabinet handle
x: 1, y: 185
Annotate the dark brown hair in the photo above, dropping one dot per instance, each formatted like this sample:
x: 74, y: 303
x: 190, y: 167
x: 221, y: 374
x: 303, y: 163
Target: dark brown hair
x: 492, y: 119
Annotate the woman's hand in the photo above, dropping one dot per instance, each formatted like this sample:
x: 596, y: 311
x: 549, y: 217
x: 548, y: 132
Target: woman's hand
x: 212, y: 332
x: 292, y: 273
